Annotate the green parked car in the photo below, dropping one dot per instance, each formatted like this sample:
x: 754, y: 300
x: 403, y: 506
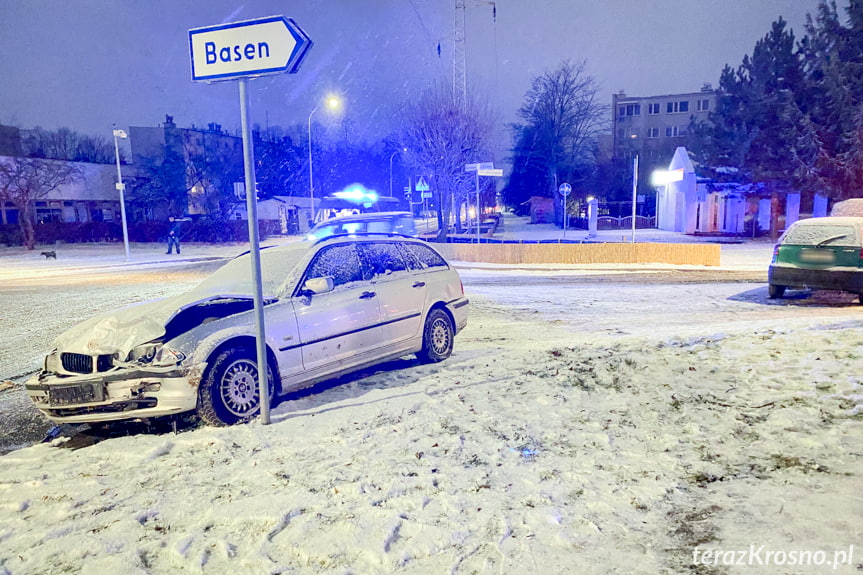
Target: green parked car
x: 819, y: 253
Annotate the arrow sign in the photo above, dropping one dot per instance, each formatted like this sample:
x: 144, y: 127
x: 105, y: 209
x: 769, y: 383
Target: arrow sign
x: 271, y: 45
x: 564, y: 189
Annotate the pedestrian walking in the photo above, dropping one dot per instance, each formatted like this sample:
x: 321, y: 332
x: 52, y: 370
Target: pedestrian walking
x: 173, y: 236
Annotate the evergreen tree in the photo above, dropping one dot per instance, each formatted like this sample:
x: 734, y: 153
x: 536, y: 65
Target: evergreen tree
x: 833, y: 58
x: 760, y: 127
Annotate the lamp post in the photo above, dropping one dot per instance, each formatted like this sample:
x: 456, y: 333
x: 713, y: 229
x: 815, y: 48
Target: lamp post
x: 121, y: 187
x: 391, y: 168
x: 332, y: 103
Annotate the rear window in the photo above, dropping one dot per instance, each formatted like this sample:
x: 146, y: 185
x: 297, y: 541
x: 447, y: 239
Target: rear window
x: 809, y: 235
x: 421, y: 257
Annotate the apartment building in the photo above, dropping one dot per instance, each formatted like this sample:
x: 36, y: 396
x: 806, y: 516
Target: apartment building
x: 187, y: 155
x: 650, y: 123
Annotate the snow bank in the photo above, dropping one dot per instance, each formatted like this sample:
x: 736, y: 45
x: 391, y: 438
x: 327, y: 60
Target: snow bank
x: 582, y: 458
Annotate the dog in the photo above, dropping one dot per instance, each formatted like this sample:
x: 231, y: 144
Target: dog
x: 50, y: 255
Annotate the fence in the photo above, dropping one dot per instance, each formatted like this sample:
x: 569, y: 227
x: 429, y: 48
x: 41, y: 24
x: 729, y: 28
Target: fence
x: 613, y: 223
x: 599, y: 253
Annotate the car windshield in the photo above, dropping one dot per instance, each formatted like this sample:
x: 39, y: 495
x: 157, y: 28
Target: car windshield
x: 235, y: 277
x: 812, y: 235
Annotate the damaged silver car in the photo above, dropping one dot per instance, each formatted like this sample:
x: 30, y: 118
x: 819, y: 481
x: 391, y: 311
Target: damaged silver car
x: 332, y: 307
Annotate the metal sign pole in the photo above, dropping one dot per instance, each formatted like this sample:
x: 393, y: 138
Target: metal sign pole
x: 254, y: 248
x: 563, y: 203
x: 477, y: 207
x: 634, y: 193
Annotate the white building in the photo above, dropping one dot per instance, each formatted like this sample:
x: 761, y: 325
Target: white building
x: 292, y: 212
x: 688, y: 206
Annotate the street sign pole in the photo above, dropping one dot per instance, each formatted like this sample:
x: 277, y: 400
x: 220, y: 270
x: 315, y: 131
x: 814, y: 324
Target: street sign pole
x: 238, y: 51
x: 477, y: 207
x: 564, y: 189
x: 634, y: 193
x: 254, y: 241
x: 563, y: 204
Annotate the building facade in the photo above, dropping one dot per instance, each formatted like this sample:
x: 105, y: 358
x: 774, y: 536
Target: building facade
x: 191, y: 159
x: 92, y: 198
x: 650, y: 124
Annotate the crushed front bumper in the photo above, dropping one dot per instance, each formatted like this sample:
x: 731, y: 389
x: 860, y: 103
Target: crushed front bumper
x: 120, y: 394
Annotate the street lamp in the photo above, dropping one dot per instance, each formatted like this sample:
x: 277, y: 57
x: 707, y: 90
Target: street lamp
x: 121, y: 187
x: 332, y: 103
x: 391, y: 168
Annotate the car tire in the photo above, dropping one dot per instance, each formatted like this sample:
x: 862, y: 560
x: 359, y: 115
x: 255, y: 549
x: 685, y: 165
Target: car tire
x: 229, y: 391
x: 438, y: 337
x: 775, y: 291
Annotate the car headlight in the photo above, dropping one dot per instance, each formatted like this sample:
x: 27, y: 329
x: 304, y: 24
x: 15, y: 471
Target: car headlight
x: 166, y: 357
x: 144, y: 353
x: 52, y: 362
x: 156, y: 354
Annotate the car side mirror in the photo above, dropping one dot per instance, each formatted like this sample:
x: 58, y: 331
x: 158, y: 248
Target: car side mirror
x: 318, y: 285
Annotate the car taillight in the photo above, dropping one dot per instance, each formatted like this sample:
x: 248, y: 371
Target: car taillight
x: 775, y: 253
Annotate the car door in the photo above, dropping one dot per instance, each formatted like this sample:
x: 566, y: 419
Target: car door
x: 341, y: 327
x: 283, y: 335
x: 401, y: 296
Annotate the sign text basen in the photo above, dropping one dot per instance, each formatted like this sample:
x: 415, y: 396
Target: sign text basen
x: 272, y: 45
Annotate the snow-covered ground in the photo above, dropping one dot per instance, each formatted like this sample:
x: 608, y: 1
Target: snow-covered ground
x: 603, y: 427
x: 531, y: 449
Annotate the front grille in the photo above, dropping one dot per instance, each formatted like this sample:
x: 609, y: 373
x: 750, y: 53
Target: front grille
x: 80, y: 363
x: 77, y: 362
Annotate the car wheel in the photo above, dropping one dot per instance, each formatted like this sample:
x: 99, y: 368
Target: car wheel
x: 775, y: 291
x: 438, y: 336
x: 229, y: 390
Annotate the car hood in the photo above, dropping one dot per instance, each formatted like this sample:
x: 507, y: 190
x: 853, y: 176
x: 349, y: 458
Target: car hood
x: 124, y: 329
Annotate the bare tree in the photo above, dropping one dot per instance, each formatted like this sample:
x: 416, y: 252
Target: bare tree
x: 441, y: 136
x: 25, y: 180
x: 562, y: 118
x: 66, y: 144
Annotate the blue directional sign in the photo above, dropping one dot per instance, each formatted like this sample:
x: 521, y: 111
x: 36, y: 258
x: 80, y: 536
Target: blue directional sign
x: 272, y: 45
x: 564, y: 189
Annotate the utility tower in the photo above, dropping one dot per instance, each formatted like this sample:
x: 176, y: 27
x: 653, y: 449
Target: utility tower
x: 459, y: 82
x: 459, y: 75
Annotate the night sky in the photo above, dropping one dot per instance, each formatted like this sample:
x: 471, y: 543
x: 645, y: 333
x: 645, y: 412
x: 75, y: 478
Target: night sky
x: 87, y: 64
